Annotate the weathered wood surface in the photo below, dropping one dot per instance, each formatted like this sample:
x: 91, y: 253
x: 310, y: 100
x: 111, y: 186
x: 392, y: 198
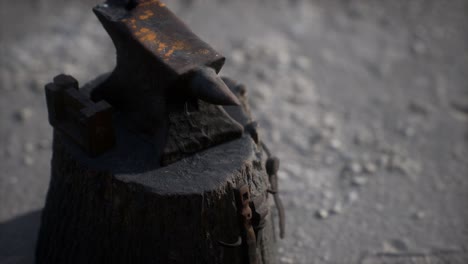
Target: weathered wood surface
x: 122, y: 207
x: 192, y: 132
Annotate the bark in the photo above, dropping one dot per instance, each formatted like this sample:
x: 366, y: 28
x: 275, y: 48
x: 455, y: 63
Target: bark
x: 122, y: 207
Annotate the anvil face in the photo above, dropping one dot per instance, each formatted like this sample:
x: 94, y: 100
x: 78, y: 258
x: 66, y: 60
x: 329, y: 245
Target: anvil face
x: 160, y: 32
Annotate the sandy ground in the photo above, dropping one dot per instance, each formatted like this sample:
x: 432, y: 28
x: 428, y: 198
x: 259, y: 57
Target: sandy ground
x: 365, y: 102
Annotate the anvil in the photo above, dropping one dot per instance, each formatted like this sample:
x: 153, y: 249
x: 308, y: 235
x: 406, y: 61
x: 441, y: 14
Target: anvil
x: 163, y: 71
x: 161, y: 63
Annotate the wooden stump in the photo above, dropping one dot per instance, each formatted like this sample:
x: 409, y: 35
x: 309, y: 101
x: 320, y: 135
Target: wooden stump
x: 122, y: 207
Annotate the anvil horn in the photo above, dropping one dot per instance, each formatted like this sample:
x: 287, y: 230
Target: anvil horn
x: 208, y: 86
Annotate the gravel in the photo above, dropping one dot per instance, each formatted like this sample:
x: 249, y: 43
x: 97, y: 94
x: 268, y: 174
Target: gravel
x: 24, y: 114
x: 322, y: 213
x: 381, y: 84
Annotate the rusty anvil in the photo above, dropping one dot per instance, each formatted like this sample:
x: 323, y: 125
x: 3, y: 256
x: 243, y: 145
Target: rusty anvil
x: 156, y: 51
x: 162, y: 67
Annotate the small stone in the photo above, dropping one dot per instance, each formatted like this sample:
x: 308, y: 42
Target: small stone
x: 325, y: 134
x: 384, y: 160
x: 302, y: 63
x: 28, y: 160
x: 355, y: 167
x: 395, y: 246
x: 36, y: 86
x: 363, y: 138
x: 322, y: 214
x: 326, y: 257
x: 330, y: 121
x: 359, y: 180
x: 337, y: 208
x: 301, y: 84
x: 29, y: 147
x: 396, y: 163
x: 286, y: 260
x: 261, y: 74
x: 352, y: 196
x: 359, y: 139
x: 408, y: 131
x: 335, y: 143
x: 262, y: 91
x: 238, y: 57
x: 370, y: 167
x: 405, y: 166
x: 419, y: 215
x: 24, y: 114
x: 327, y: 194
x: 283, y: 56
x: 418, y: 108
x: 43, y: 144
x: 460, y: 110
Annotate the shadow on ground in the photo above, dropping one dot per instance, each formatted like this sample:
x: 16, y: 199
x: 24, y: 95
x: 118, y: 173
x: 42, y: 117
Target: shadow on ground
x: 18, y: 238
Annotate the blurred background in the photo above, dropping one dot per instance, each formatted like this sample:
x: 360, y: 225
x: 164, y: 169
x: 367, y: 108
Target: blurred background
x: 365, y: 102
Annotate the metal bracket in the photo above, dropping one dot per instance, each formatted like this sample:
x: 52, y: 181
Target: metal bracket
x: 87, y: 123
x: 249, y: 238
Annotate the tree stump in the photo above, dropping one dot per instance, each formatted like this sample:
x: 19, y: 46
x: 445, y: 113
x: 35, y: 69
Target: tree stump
x: 122, y: 207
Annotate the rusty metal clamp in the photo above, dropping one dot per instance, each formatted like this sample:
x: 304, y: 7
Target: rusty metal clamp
x: 259, y: 211
x: 250, y: 239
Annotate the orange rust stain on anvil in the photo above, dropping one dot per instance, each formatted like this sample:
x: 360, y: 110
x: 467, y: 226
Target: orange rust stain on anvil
x: 162, y: 47
x: 147, y: 14
x: 130, y: 22
x: 178, y: 45
x: 204, y: 51
x: 146, y: 35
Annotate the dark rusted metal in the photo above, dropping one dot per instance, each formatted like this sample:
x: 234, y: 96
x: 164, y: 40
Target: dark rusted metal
x: 160, y: 58
x: 87, y: 123
x: 260, y: 210
x: 246, y: 214
x: 151, y: 24
x: 209, y: 87
x: 254, y: 216
x: 163, y: 69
